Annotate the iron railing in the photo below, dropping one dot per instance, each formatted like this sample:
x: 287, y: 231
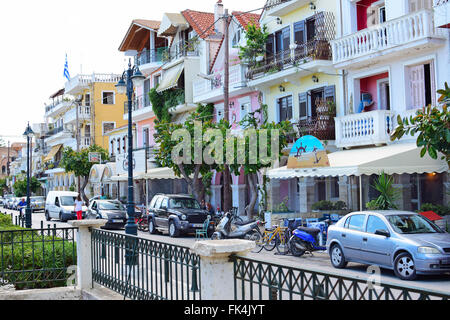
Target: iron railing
x: 150, y: 56
x: 257, y: 280
x: 141, y: 269
x: 181, y: 49
x: 37, y: 258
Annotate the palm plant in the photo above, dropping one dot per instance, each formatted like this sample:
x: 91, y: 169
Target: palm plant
x: 388, y: 194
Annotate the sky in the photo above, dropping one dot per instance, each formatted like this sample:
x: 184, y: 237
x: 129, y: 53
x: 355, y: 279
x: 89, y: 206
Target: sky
x: 36, y: 35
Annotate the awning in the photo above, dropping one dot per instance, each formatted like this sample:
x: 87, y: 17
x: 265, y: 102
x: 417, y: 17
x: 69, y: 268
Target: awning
x: 170, y: 77
x: 402, y: 158
x: 52, y: 153
x: 124, y: 177
x: 160, y: 174
x: 171, y: 23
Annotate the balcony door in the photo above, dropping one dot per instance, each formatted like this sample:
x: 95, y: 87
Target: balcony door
x: 421, y: 85
x: 285, y: 108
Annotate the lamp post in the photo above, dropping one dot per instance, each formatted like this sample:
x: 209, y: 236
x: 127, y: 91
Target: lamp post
x: 130, y: 78
x: 29, y: 135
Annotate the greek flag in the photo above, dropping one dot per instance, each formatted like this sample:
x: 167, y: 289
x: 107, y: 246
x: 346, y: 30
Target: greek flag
x: 66, y: 70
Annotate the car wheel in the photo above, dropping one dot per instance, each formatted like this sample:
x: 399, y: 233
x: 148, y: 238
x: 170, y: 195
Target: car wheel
x: 60, y: 218
x: 151, y: 227
x: 337, y: 257
x: 173, y: 230
x: 47, y: 216
x: 216, y: 236
x: 404, y: 267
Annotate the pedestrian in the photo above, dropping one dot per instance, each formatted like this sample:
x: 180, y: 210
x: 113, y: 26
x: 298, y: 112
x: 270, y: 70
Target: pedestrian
x: 203, y: 205
x: 78, y: 207
x: 21, y: 205
x: 210, y: 209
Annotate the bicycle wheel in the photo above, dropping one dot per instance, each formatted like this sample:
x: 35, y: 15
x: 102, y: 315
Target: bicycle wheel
x: 269, y: 245
x: 283, y: 246
x: 258, y: 241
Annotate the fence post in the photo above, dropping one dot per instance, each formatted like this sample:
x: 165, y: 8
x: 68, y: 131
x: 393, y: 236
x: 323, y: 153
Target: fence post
x: 84, y: 252
x: 217, y: 267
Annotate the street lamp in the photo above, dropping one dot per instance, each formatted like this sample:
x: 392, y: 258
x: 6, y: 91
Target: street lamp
x: 29, y: 135
x: 130, y: 78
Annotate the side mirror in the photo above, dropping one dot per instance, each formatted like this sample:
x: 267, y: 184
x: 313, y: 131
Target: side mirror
x: 163, y: 208
x: 383, y: 233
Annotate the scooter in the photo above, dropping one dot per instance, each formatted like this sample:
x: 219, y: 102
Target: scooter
x: 229, y: 228
x: 305, y: 240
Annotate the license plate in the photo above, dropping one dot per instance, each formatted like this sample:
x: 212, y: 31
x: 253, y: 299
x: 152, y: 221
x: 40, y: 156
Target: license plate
x: 197, y: 225
x: 117, y: 221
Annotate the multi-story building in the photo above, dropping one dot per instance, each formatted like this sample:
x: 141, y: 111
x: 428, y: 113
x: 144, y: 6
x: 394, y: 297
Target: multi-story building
x: 392, y: 56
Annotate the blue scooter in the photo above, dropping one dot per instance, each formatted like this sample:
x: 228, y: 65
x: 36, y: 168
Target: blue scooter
x: 305, y: 240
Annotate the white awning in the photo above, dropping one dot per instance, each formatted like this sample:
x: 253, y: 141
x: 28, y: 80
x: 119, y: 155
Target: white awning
x: 402, y: 158
x: 170, y: 77
x: 160, y: 174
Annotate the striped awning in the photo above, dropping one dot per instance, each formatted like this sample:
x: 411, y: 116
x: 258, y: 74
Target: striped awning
x: 170, y: 77
x: 52, y: 153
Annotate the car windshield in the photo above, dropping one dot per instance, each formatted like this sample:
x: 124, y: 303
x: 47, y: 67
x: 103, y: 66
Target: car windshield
x: 110, y: 205
x: 68, y: 201
x: 184, y: 204
x: 409, y: 224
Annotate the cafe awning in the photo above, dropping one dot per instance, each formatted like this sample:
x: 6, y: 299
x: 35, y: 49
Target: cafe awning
x: 401, y: 158
x: 170, y: 77
x: 52, y: 153
x: 160, y: 174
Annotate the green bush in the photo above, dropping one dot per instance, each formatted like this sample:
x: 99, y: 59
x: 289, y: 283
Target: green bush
x: 440, y: 210
x: 328, y: 205
x: 5, y: 220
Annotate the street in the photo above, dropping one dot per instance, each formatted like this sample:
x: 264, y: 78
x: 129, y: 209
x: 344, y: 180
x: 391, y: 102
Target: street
x: 319, y: 261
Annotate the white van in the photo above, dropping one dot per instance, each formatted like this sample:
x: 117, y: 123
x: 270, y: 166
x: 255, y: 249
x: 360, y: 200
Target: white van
x: 60, y: 205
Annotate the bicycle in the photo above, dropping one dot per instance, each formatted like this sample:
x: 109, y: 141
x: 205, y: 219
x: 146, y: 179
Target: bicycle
x: 142, y: 222
x: 273, y: 238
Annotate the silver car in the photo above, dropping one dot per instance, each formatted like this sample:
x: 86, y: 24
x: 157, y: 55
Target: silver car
x: 405, y: 242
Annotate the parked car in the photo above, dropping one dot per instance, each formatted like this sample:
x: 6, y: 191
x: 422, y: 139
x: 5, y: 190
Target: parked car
x: 37, y: 203
x: 177, y: 214
x: 112, y: 210
x: 405, y: 242
x: 60, y: 205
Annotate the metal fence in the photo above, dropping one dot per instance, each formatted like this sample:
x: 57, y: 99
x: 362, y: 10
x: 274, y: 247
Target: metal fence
x: 141, y: 269
x: 37, y: 258
x: 256, y: 280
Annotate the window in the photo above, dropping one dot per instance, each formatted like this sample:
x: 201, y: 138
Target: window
x: 245, y: 109
x: 108, y: 97
x: 374, y: 223
x: 285, y: 108
x: 87, y: 99
x: 146, y: 92
x: 299, y: 32
x: 165, y: 203
x: 108, y: 127
x: 158, y: 202
x: 220, y: 112
x: 236, y: 38
x: 157, y: 80
x: 421, y: 85
x: 355, y: 222
x: 308, y: 100
x: 146, y: 137
x: 382, y: 14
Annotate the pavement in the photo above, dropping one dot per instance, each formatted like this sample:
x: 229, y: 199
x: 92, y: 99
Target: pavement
x: 318, y: 261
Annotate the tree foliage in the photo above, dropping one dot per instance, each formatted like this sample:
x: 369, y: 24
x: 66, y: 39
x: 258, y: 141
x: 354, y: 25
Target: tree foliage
x: 78, y: 163
x: 256, y: 43
x: 433, y: 126
x: 20, y: 186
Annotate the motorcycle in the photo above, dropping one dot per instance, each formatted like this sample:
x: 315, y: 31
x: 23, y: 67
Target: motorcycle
x: 305, y: 240
x: 230, y: 227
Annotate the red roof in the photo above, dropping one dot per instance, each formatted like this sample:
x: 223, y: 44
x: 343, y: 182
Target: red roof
x: 431, y: 215
x: 246, y: 18
x: 201, y: 22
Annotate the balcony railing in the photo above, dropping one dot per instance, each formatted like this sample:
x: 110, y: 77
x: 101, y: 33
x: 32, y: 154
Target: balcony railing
x: 138, y: 103
x: 396, y: 32
x: 84, y: 113
x: 181, y: 49
x: 150, y: 56
x: 368, y: 128
x: 204, y: 86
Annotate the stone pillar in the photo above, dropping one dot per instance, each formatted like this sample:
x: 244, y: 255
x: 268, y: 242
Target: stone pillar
x: 273, y: 194
x: 344, y: 190
x: 307, y: 194
x: 84, y: 252
x: 217, y: 272
x: 446, y: 188
x: 354, y: 194
x: 402, y: 183
x: 216, y: 200
x: 239, y: 197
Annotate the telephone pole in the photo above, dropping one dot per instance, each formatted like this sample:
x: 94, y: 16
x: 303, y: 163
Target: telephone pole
x: 228, y: 197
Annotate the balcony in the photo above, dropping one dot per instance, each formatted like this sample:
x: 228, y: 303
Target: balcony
x: 442, y: 13
x: 181, y: 49
x: 58, y: 106
x: 363, y: 129
x: 209, y: 91
x: 81, y: 82
x: 84, y: 114
x: 142, y: 108
x: 397, y: 37
x: 278, y: 8
x: 150, y: 60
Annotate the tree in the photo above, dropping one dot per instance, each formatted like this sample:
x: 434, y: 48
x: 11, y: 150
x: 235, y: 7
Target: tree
x: 78, y: 163
x: 20, y: 187
x: 169, y: 136
x: 255, y: 45
x: 433, y: 126
x: 266, y: 135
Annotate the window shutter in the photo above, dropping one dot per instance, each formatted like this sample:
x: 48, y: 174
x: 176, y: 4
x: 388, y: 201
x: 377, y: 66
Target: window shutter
x: 270, y: 45
x: 330, y: 93
x: 372, y: 16
x: 299, y: 32
x: 289, y: 107
x: 303, y: 105
x: 286, y: 38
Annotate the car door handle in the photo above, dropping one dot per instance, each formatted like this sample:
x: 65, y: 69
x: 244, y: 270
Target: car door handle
x: 344, y: 235
x: 365, y: 239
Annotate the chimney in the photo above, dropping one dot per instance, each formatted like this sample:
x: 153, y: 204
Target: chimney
x: 218, y: 13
